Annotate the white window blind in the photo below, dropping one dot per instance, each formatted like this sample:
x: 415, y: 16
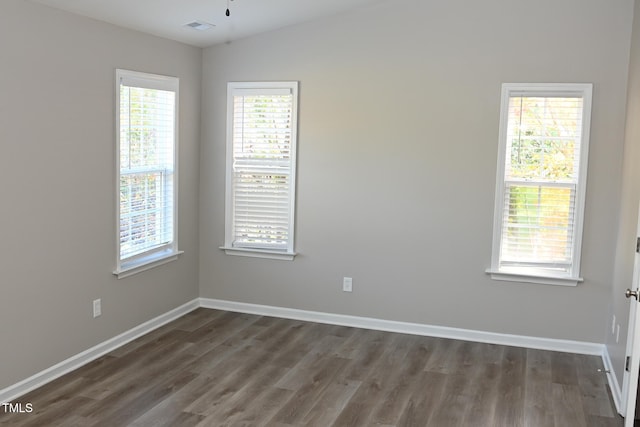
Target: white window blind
x: 261, y: 166
x: 146, y: 122
x: 541, y: 180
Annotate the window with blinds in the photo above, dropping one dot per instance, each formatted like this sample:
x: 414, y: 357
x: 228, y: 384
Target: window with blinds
x: 541, y: 182
x: 146, y: 147
x: 261, y: 148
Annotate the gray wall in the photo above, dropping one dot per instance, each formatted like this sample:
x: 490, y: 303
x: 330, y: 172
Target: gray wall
x: 57, y: 89
x: 398, y: 138
x: 397, y: 158
x: 625, y: 248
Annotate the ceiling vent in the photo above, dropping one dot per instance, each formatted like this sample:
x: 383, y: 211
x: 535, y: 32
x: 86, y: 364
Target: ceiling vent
x: 200, y: 25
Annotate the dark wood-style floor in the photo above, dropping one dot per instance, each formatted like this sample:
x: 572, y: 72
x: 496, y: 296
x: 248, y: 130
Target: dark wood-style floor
x: 215, y: 368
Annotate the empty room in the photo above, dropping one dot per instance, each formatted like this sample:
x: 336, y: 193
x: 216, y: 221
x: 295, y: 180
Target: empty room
x: 319, y: 213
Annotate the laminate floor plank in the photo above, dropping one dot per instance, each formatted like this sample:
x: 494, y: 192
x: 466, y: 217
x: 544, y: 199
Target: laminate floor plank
x: 596, y: 421
x: 451, y: 408
x: 371, y: 351
x: 567, y: 406
x: 389, y: 381
x: 195, y: 319
x: 182, y: 419
x: 56, y: 411
x: 445, y: 357
x: 480, y: 396
x: 350, y: 346
x: 139, y: 388
x: 252, y: 388
x: 259, y: 411
x: 110, y: 366
x: 376, y: 385
x: 218, y: 368
x: 424, y: 399
x: 129, y: 410
x: 309, y: 363
x: 510, y: 404
x: 59, y: 390
x: 304, y: 398
x: 593, y: 386
x: 331, y: 403
x: 388, y: 411
x: 137, y: 375
x: 228, y: 381
x: 310, y: 341
x: 538, y: 409
x: 141, y: 345
x: 174, y: 405
x: 220, y: 329
x: 563, y: 369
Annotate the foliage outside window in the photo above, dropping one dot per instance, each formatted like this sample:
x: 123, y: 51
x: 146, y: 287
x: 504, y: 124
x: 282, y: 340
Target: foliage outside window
x: 146, y: 147
x: 541, y: 182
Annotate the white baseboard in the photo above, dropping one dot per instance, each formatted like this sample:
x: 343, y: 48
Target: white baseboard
x: 614, y: 386
x: 567, y: 346
x: 11, y: 393
x: 41, y: 378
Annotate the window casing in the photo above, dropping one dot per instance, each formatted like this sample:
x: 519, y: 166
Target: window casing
x: 261, y: 169
x: 541, y: 183
x: 146, y: 158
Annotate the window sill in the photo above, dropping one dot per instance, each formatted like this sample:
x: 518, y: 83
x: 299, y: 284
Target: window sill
x: 145, y: 263
x: 260, y: 253
x: 534, y: 278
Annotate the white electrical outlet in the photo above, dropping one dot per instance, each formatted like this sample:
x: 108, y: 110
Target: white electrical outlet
x: 347, y: 284
x: 97, y: 308
x: 613, y: 325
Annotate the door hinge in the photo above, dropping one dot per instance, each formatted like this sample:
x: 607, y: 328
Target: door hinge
x: 627, y: 363
x: 638, y: 245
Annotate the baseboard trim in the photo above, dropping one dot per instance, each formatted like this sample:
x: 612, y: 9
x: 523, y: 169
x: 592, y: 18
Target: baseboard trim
x: 41, y: 378
x: 614, y: 386
x: 568, y: 346
x: 15, y: 391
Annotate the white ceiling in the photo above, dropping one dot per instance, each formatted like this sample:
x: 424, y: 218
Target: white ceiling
x: 167, y: 18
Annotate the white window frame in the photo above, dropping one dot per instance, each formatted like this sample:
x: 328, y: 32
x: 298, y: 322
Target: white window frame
x: 260, y: 251
x: 532, y: 274
x: 129, y: 265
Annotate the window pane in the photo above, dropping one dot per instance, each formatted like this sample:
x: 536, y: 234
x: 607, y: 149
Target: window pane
x: 538, y: 225
x: 146, y: 149
x: 262, y: 209
x: 541, y: 182
x: 262, y: 126
x: 145, y: 215
x: 262, y: 146
x: 146, y: 127
x: 543, y: 138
